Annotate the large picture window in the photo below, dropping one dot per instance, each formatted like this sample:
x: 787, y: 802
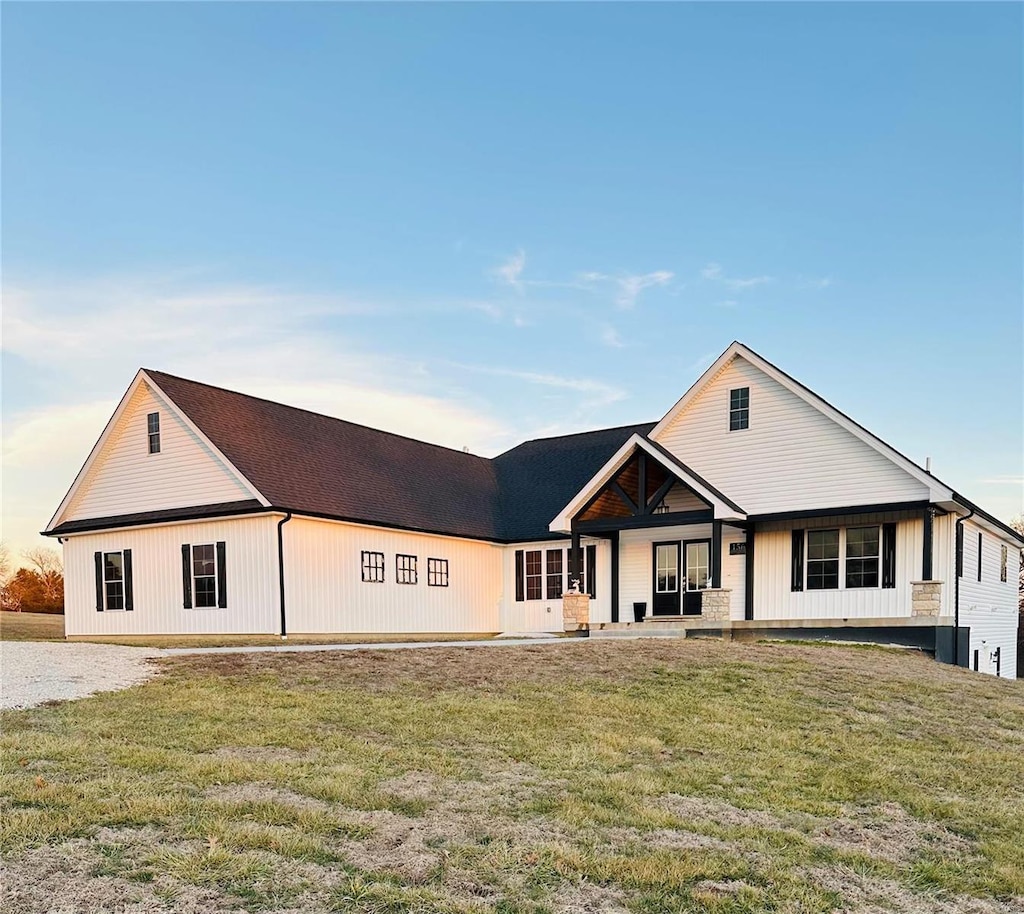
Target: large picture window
x: 555, y: 578
x: 822, y: 559
x: 405, y: 569
x: 534, y: 575
x: 862, y: 556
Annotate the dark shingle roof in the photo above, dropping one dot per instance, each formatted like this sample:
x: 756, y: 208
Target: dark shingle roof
x: 315, y: 464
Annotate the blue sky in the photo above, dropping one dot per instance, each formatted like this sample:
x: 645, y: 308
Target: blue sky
x: 481, y: 223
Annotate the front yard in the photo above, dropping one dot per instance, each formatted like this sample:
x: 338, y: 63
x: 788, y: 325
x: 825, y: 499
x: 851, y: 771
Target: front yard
x: 654, y: 776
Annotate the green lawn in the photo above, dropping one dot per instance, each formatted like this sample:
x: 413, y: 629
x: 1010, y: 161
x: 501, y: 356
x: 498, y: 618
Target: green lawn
x: 31, y: 627
x: 652, y: 776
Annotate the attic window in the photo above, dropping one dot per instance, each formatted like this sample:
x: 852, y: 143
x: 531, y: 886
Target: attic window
x: 739, y: 408
x: 153, y: 429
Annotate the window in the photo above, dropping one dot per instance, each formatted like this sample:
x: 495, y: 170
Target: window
x: 113, y: 580
x: 739, y: 408
x: 204, y: 575
x: 555, y: 580
x: 437, y: 572
x: 1002, y: 563
x: 373, y: 567
x: 822, y: 559
x: 533, y: 575
x: 862, y: 553
x: 405, y: 569
x: 153, y: 429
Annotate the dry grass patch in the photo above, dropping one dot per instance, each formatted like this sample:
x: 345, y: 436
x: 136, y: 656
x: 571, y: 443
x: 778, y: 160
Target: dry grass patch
x: 642, y: 777
x: 31, y: 627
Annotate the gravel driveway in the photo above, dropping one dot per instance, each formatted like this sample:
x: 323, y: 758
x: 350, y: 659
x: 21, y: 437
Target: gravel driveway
x: 32, y: 672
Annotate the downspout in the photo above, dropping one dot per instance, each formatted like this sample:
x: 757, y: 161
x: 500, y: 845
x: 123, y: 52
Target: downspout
x: 280, y: 568
x: 958, y: 566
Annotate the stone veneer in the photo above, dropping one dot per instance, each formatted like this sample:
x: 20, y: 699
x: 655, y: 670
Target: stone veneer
x: 714, y: 604
x: 576, y: 612
x: 926, y: 598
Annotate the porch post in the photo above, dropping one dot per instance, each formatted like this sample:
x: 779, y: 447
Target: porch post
x: 716, y: 554
x: 574, y: 556
x: 614, y: 539
x: 926, y: 556
x: 748, y: 603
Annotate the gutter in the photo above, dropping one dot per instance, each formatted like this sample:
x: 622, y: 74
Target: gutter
x: 958, y: 567
x: 280, y: 569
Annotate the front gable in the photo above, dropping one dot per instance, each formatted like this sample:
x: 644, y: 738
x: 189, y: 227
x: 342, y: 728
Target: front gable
x: 121, y: 476
x: 797, y: 453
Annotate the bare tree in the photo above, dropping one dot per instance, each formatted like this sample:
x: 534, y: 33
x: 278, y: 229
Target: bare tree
x: 50, y: 568
x: 1018, y: 524
x: 10, y: 597
x: 5, y: 563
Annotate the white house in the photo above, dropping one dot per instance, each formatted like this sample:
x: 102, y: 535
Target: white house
x: 752, y: 506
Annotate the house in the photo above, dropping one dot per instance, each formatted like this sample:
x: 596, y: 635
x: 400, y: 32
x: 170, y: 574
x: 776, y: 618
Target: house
x: 752, y: 508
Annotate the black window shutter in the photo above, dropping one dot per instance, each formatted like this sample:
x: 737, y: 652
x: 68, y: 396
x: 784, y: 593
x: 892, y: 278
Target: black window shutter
x: 99, y: 581
x: 129, y: 595
x: 222, y: 576
x: 888, y: 555
x: 959, y: 550
x: 520, y: 584
x: 797, y: 571
x: 979, y: 556
x: 592, y: 571
x: 186, y: 574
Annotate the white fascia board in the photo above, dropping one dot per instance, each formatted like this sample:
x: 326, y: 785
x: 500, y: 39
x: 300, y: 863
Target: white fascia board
x: 722, y: 510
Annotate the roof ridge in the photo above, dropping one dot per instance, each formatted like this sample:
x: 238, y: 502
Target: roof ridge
x: 311, y: 412
x: 590, y: 431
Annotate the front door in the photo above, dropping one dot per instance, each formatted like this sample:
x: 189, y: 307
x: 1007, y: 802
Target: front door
x: 698, y: 571
x: 666, y: 579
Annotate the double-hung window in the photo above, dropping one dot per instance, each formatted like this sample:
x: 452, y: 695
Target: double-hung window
x: 113, y: 580
x: 862, y: 556
x: 405, y: 569
x: 822, y: 559
x: 373, y: 567
x: 153, y: 432
x: 204, y: 574
x: 739, y: 408
x: 555, y: 579
x: 534, y: 575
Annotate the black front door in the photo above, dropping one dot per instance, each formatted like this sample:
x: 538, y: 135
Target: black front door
x: 698, y: 574
x: 666, y: 579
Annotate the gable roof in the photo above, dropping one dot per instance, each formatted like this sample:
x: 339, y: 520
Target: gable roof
x: 316, y: 465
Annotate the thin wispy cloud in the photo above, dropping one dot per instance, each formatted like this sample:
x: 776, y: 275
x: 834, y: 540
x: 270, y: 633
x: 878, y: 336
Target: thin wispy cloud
x: 702, y: 362
x: 815, y: 282
x: 510, y: 272
x: 611, y: 337
x: 627, y: 287
x: 727, y: 303
x: 714, y: 272
x: 598, y: 393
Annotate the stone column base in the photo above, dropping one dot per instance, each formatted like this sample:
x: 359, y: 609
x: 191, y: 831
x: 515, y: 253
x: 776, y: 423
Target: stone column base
x: 576, y: 612
x: 714, y: 604
x: 926, y: 598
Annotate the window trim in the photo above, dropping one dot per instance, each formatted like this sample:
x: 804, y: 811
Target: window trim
x: 554, y: 577
x: 378, y: 574
x: 122, y: 581
x: 153, y: 432
x: 436, y: 570
x: 839, y: 559
x: 410, y: 569
x: 195, y: 577
x: 804, y: 567
x: 739, y: 409
x: 877, y: 557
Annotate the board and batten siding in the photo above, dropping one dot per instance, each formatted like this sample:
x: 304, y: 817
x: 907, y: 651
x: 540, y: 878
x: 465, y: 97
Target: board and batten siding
x: 989, y: 606
x: 775, y: 599
x: 251, y: 580
x: 636, y: 565
x: 125, y: 478
x: 545, y: 615
x: 792, y: 457
x: 324, y: 590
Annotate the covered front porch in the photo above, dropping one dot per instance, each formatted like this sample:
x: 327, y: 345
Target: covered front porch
x: 678, y: 547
